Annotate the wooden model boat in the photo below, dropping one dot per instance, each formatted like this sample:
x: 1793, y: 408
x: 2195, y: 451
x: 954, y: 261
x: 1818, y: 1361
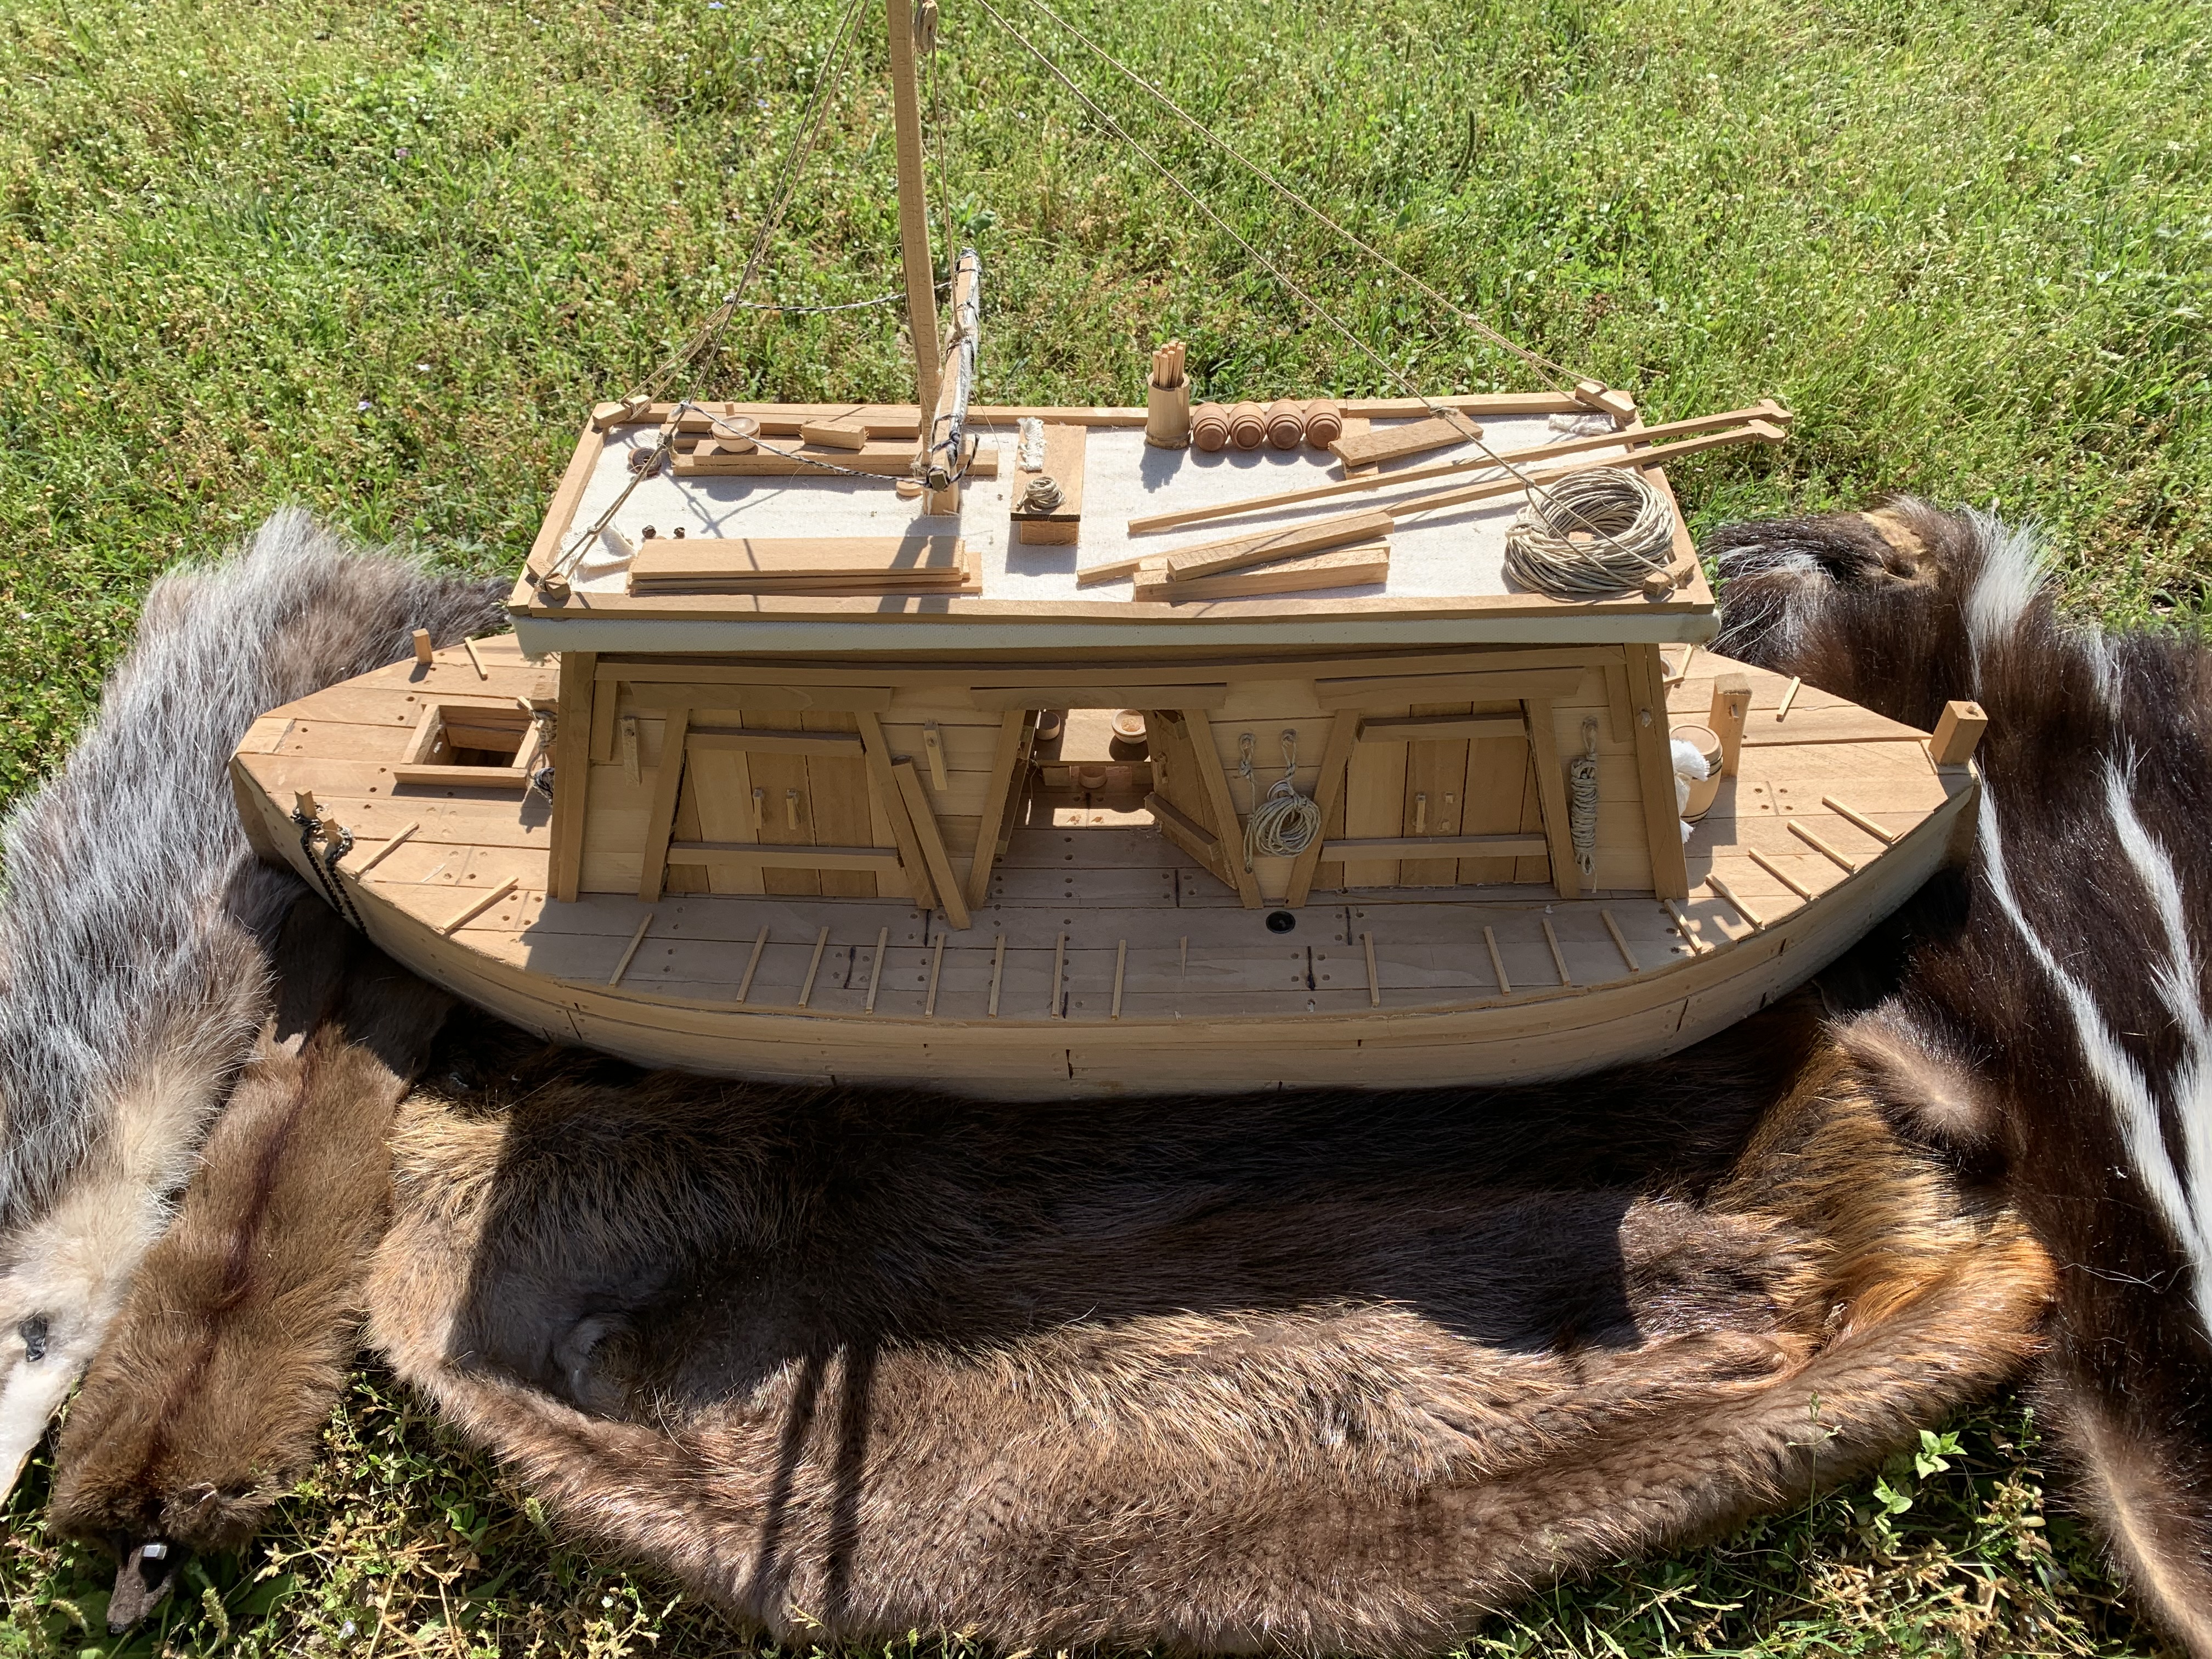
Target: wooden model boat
x: 802, y: 761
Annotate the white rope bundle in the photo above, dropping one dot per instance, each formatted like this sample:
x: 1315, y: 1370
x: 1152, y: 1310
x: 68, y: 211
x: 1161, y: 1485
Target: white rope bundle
x: 1284, y: 822
x: 1581, y: 802
x: 1599, y: 531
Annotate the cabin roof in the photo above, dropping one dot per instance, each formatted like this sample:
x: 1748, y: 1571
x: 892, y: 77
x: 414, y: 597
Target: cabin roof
x: 1446, y: 580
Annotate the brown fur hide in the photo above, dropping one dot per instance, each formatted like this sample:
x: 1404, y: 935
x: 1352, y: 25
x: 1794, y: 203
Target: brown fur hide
x: 2053, y: 1031
x: 207, y: 1398
x: 1299, y: 1371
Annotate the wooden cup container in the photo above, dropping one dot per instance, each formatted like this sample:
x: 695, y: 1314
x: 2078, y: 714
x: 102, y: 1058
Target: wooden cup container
x: 1287, y: 423
x: 1209, y: 426
x: 1167, y: 415
x: 1248, y: 426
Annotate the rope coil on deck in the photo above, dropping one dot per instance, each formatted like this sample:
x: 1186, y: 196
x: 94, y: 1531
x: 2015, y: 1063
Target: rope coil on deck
x: 1626, y: 534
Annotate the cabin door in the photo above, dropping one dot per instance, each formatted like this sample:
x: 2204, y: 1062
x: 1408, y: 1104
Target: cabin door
x: 761, y: 783
x: 1449, y: 795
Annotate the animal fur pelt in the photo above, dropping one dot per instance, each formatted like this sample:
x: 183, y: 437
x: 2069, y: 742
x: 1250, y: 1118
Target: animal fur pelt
x: 1310, y: 1372
x: 132, y: 969
x: 2053, y: 1029
x: 207, y: 1398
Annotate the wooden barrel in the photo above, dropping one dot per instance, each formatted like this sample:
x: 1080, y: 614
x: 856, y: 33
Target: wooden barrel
x: 1248, y: 426
x: 1209, y: 426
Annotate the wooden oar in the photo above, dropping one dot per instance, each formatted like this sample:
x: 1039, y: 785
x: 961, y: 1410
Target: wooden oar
x: 1355, y: 526
x: 1768, y: 410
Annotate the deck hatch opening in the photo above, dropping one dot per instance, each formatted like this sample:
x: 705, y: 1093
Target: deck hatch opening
x: 479, y: 745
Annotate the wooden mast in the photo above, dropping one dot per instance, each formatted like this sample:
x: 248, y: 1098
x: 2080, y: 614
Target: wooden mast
x: 914, y: 207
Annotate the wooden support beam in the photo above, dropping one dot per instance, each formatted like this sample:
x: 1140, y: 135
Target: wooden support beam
x: 1551, y: 797
x: 1215, y: 782
x: 1344, y: 731
x: 924, y: 820
x: 1885, y: 836
x: 572, y: 769
x: 753, y: 964
x: 1655, y: 773
x: 1842, y: 861
x: 1374, y: 985
x: 813, y: 967
x: 914, y: 867
x: 1016, y: 728
x: 1382, y: 445
x: 660, y: 816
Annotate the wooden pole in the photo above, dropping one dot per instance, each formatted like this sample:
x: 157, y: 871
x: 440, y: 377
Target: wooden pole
x: 914, y: 206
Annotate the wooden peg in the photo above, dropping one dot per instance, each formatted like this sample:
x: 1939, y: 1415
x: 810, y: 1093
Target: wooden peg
x: 1374, y: 985
x: 474, y: 661
x: 421, y: 637
x: 791, y: 809
x: 1731, y: 708
x: 303, y: 804
x: 626, y: 411
x: 760, y: 809
x: 629, y: 748
x: 1789, y: 696
x: 1958, y: 731
x: 1496, y: 962
x: 814, y: 967
x: 933, y: 746
x: 752, y: 966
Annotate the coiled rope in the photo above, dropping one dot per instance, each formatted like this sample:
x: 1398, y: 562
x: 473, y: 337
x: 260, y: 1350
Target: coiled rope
x: 1626, y: 534
x: 1581, y: 802
x: 1284, y: 822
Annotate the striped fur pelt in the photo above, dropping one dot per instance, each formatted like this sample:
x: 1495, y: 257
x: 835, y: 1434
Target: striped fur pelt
x: 1298, y: 1372
x: 133, y: 926
x: 2054, y: 1031
x: 210, y: 1395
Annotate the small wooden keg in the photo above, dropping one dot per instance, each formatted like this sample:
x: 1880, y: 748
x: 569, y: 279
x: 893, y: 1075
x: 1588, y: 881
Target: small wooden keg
x: 1248, y: 426
x: 1209, y: 426
x: 1287, y: 423
x: 1324, y: 421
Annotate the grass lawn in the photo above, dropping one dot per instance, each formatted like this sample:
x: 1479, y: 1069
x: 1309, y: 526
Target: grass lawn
x: 379, y: 257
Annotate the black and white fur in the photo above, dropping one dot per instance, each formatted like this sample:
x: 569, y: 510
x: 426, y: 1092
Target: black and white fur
x: 2054, y: 1024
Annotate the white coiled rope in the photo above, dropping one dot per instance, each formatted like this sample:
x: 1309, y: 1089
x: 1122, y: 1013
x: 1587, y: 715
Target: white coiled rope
x: 1600, y: 530
x: 1283, y: 823
x: 1581, y: 802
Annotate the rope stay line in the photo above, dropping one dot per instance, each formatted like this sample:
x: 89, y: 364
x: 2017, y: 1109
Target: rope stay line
x: 1552, y: 370
x: 710, y: 333
x: 1536, y: 490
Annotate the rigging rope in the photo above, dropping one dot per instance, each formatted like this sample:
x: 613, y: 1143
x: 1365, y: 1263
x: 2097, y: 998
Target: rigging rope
x: 710, y: 335
x: 1537, y: 491
x: 1543, y: 365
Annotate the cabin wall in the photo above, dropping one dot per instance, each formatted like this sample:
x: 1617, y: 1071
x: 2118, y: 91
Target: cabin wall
x: 1479, y: 786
